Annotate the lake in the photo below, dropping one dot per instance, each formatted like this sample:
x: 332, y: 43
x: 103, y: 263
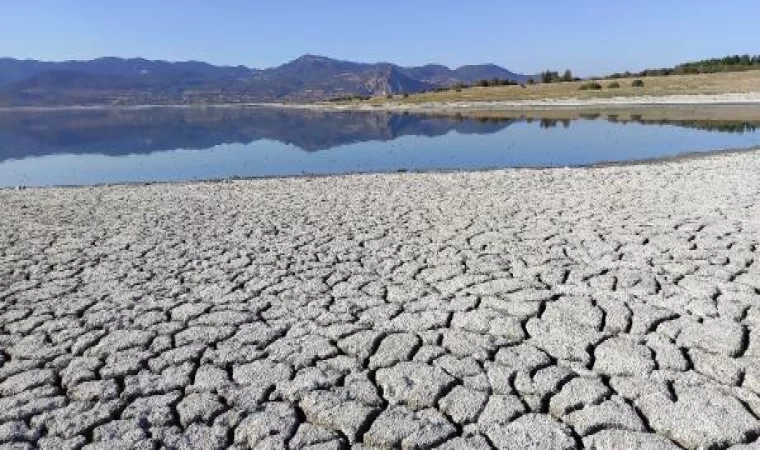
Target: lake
x: 85, y: 147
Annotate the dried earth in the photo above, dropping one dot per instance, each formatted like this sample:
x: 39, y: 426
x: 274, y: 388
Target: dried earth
x: 602, y: 308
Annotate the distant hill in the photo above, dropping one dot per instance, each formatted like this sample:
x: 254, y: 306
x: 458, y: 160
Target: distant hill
x: 141, y: 81
x: 439, y: 75
x: 318, y: 78
x: 443, y: 76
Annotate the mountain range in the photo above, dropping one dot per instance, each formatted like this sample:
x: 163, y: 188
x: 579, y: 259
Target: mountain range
x: 134, y: 81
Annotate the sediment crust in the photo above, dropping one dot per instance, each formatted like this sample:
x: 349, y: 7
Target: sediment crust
x: 614, y: 307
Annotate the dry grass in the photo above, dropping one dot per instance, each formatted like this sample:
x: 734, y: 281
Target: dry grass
x: 718, y: 83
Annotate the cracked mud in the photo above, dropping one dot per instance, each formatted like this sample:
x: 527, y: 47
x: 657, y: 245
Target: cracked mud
x: 552, y: 309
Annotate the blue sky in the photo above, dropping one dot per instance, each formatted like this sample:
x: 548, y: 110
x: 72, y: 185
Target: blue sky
x: 588, y: 36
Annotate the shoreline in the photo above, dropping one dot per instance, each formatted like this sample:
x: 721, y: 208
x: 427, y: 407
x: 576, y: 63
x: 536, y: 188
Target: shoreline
x: 671, y: 159
x: 553, y: 301
x: 738, y: 99
x: 731, y: 99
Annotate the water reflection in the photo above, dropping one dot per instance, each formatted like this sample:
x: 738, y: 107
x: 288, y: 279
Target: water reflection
x: 138, y: 131
x: 163, y: 144
x: 119, y: 132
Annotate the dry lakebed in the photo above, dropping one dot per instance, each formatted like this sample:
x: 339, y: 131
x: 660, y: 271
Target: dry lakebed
x: 599, y: 308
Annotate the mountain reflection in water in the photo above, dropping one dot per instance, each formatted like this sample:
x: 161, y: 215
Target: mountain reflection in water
x: 116, y: 132
x: 95, y: 146
x: 133, y: 131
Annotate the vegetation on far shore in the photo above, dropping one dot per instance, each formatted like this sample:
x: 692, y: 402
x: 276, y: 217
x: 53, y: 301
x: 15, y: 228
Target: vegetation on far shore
x: 734, y: 63
x: 732, y: 74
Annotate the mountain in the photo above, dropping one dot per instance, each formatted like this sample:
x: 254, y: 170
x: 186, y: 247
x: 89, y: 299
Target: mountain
x: 311, y: 78
x: 118, y: 81
x: 14, y: 70
x: 443, y: 76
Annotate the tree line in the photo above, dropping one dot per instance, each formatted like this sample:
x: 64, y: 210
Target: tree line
x: 551, y: 76
x: 733, y: 63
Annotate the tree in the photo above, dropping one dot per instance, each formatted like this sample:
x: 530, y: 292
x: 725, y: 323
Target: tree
x: 567, y: 76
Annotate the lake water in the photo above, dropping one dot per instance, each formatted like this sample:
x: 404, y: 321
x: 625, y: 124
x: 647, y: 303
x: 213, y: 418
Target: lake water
x: 172, y: 144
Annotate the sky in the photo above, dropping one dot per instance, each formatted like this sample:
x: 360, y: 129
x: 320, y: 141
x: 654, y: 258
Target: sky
x: 590, y: 37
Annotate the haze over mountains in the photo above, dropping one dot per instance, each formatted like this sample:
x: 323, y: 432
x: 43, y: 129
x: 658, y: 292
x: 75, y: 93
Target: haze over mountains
x: 114, y: 81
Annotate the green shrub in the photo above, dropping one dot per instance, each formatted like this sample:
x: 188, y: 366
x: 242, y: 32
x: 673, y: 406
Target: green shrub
x: 613, y: 85
x: 590, y: 86
x: 637, y: 83
x: 550, y: 76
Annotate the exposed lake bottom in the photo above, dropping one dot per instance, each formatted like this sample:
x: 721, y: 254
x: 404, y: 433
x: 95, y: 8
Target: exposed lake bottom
x: 611, y: 308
